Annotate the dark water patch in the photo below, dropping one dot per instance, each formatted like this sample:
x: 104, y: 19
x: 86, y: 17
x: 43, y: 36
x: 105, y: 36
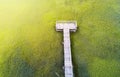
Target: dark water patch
x: 17, y: 67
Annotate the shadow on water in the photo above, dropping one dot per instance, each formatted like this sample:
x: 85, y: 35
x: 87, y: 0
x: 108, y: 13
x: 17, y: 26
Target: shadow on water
x: 81, y: 70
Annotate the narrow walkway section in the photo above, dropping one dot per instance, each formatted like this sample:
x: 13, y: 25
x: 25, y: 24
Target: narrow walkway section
x: 66, y: 27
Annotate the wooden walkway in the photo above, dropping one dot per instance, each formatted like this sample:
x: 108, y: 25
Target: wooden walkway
x: 66, y: 27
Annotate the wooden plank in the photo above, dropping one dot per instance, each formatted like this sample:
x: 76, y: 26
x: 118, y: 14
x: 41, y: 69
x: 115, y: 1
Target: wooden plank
x: 67, y: 55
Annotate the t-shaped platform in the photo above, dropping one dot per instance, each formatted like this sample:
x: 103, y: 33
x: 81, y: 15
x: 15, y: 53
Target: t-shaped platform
x: 66, y: 27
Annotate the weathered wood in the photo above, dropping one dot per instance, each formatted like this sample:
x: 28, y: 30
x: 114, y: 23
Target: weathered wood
x: 66, y: 27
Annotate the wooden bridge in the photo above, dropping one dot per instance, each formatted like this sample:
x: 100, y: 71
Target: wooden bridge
x: 66, y: 27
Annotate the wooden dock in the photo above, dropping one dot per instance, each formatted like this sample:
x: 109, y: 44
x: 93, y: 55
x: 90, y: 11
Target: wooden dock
x: 66, y: 27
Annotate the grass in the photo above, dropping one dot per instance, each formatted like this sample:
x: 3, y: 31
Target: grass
x: 30, y: 46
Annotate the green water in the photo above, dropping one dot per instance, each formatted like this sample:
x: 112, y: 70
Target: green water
x: 30, y: 46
